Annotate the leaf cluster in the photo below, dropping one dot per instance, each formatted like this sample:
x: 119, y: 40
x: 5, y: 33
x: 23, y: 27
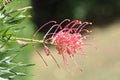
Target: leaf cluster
x: 9, y: 26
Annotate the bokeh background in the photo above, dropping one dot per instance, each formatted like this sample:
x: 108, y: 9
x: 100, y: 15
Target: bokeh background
x: 96, y: 11
x: 101, y: 64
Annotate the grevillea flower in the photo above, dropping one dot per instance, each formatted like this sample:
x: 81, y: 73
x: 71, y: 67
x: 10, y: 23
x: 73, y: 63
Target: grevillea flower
x: 67, y: 38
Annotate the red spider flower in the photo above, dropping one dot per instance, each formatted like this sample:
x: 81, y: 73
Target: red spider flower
x: 67, y: 38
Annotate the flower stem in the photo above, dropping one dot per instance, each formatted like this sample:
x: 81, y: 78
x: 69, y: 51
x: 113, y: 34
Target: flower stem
x: 21, y: 9
x: 30, y: 40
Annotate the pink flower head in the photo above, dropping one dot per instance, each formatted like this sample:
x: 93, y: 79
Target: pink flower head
x: 67, y: 38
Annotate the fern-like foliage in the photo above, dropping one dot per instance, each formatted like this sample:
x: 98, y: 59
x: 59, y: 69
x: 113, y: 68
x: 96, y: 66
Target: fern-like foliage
x: 9, y: 21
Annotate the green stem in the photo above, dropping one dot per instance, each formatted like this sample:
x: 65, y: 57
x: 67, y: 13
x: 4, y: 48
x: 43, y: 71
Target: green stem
x: 30, y: 40
x: 20, y: 9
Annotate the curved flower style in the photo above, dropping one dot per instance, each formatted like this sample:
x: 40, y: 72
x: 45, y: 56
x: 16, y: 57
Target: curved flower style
x: 67, y: 39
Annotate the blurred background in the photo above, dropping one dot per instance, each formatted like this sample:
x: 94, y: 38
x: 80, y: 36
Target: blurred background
x: 97, y: 11
x: 101, y: 64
